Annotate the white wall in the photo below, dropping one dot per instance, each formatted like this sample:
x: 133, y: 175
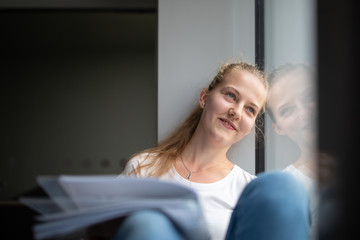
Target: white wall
x: 194, y: 38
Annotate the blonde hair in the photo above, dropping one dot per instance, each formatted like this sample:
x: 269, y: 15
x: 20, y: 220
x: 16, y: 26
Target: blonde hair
x: 167, y: 151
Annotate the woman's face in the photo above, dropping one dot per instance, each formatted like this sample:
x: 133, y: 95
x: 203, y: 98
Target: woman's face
x: 292, y: 102
x: 231, y: 107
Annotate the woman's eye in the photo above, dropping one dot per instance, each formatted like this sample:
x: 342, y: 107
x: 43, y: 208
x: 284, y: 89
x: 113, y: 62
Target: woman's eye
x: 251, y: 110
x: 287, y: 111
x: 230, y: 95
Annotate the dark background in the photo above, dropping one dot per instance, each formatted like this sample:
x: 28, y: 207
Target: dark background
x: 338, y: 62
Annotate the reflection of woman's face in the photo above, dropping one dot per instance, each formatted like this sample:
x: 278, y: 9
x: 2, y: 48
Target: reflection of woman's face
x: 292, y: 102
x: 231, y: 107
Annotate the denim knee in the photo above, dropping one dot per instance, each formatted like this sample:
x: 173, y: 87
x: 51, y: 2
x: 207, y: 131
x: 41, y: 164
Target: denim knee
x: 279, y: 192
x: 147, y: 225
x: 275, y: 205
x: 278, y: 187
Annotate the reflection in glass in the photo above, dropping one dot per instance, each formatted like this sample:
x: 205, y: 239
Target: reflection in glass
x: 292, y: 109
x: 290, y: 122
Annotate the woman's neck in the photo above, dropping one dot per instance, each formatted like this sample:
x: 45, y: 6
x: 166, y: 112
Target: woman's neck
x: 200, y: 153
x: 202, y: 165
x: 202, y: 161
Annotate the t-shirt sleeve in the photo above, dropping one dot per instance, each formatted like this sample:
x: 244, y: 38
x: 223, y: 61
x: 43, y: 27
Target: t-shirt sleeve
x: 132, y: 164
x: 129, y: 168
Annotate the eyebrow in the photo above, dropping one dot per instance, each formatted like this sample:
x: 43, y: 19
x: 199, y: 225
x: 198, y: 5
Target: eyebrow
x: 238, y: 93
x: 232, y: 88
x: 255, y: 105
x: 285, y: 105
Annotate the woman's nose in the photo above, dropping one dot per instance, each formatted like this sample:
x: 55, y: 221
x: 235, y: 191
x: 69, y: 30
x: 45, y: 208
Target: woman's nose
x: 235, y: 113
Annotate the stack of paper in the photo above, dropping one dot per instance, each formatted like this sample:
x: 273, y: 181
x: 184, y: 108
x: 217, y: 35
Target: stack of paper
x: 77, y: 202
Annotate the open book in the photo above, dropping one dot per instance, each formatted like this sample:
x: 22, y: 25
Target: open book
x: 77, y: 202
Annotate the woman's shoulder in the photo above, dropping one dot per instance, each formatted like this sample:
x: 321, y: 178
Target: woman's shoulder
x: 141, y: 157
x: 135, y: 161
x: 243, y: 172
x: 290, y: 168
x: 240, y: 175
x: 237, y: 180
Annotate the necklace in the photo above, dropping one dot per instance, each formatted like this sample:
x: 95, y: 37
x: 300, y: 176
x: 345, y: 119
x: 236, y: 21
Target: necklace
x: 191, y: 172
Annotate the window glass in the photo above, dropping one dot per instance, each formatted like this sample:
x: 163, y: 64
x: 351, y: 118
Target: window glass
x: 290, y: 122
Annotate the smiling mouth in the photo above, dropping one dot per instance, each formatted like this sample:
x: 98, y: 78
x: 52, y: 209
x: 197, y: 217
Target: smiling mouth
x: 228, y: 124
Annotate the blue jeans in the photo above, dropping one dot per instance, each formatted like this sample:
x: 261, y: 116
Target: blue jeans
x: 274, y: 206
x: 147, y: 225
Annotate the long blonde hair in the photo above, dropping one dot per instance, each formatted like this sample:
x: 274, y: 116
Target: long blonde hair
x: 162, y: 156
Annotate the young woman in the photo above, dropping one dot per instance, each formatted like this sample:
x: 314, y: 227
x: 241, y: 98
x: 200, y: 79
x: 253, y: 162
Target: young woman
x: 271, y: 206
x: 292, y: 108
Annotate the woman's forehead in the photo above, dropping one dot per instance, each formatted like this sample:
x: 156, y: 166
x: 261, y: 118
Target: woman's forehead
x: 242, y: 79
x: 245, y: 83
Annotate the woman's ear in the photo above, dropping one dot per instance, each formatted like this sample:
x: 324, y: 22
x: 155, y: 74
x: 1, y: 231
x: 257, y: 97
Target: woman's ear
x: 203, y: 97
x: 278, y: 130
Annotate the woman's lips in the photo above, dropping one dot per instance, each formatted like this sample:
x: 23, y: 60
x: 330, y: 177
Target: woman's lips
x: 228, y: 124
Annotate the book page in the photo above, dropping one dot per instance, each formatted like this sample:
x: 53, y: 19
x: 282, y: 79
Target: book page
x: 88, y: 200
x: 92, y: 191
x: 51, y: 186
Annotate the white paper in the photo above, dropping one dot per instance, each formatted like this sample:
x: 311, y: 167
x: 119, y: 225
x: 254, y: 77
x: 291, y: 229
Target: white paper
x: 88, y: 200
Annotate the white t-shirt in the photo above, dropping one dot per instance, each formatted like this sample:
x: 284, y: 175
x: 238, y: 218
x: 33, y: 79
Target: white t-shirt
x: 217, y: 199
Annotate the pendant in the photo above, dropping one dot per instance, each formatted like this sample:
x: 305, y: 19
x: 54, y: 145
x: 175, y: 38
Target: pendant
x: 189, y: 175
